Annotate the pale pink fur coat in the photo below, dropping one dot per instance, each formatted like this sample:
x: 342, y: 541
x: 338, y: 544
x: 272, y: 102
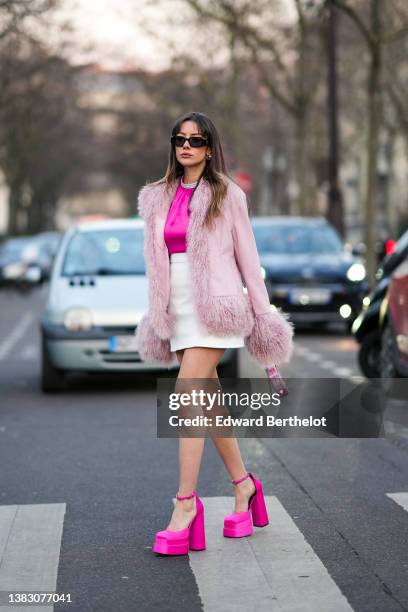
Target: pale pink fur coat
x: 220, y: 259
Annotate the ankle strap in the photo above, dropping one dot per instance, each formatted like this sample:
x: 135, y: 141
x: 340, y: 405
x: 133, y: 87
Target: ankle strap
x: 235, y: 482
x: 185, y: 496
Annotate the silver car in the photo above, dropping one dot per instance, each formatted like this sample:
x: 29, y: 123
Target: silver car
x: 97, y: 295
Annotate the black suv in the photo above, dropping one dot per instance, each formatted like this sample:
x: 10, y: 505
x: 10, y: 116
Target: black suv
x: 308, y: 272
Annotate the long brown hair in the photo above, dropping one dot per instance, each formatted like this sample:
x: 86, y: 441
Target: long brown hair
x: 215, y: 168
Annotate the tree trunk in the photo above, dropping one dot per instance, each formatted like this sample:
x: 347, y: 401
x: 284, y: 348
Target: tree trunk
x: 390, y: 208
x: 301, y: 125
x: 372, y: 145
x: 231, y: 126
x: 34, y: 216
x: 335, y: 214
x: 14, y: 202
x: 301, y: 161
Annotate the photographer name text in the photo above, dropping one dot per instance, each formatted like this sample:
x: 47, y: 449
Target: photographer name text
x: 259, y: 421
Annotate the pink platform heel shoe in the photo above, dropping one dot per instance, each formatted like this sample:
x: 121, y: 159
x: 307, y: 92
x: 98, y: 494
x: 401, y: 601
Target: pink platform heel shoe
x: 239, y: 524
x: 169, y: 542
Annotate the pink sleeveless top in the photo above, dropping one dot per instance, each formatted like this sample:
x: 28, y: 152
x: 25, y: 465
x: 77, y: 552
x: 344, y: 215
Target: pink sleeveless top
x: 177, y: 220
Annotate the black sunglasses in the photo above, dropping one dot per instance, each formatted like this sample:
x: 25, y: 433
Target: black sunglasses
x: 193, y: 141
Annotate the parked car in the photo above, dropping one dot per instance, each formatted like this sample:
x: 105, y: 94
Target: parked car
x: 17, y: 261
x: 48, y: 244
x: 394, y: 325
x: 366, y: 327
x: 28, y: 259
x: 98, y: 293
x: 308, y: 271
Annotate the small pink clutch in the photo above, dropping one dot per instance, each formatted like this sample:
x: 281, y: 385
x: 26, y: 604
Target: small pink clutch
x: 276, y: 381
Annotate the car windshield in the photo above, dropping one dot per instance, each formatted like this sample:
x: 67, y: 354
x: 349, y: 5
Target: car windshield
x: 296, y: 239
x: 105, y: 253
x: 16, y: 246
x: 49, y: 241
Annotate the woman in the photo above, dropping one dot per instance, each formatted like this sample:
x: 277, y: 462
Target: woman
x: 199, y: 244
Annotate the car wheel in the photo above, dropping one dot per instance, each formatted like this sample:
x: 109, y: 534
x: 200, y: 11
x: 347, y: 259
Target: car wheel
x: 52, y: 379
x: 369, y: 355
x: 388, y: 370
x: 387, y: 366
x: 229, y: 369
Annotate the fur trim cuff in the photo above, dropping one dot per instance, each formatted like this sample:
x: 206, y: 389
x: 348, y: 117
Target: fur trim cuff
x: 151, y: 347
x: 225, y: 315
x: 271, y: 339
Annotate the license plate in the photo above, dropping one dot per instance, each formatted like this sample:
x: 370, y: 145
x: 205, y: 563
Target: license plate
x: 310, y: 296
x: 122, y: 344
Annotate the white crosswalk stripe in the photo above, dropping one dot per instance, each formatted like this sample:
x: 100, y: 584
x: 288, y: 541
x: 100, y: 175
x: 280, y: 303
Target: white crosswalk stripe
x: 325, y: 364
x: 30, y: 541
x: 273, y: 570
x: 343, y: 372
x: 7, y: 345
x: 400, y: 498
x: 328, y: 365
x: 277, y: 566
x: 314, y: 357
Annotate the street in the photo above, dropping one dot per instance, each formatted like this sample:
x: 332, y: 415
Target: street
x: 85, y: 483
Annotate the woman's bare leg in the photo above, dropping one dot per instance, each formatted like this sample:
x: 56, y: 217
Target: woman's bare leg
x: 230, y: 453
x: 196, y: 362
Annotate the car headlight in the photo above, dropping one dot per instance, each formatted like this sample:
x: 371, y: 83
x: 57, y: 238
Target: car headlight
x: 356, y: 272
x: 13, y: 270
x: 78, y: 319
x: 356, y: 324
x: 263, y: 272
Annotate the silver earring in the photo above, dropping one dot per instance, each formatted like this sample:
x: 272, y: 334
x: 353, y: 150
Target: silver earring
x: 208, y: 156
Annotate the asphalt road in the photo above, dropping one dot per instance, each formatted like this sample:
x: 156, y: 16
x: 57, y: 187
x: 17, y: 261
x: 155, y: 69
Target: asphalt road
x: 85, y: 483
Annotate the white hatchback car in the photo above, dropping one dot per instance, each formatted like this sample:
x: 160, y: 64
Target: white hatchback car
x: 98, y: 293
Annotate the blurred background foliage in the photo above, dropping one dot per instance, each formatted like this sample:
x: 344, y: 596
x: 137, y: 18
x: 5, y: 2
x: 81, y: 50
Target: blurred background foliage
x: 80, y: 137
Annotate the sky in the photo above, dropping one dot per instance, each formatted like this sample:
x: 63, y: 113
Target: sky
x: 116, y: 30
x: 113, y: 29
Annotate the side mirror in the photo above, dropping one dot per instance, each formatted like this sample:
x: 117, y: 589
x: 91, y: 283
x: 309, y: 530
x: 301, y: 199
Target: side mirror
x: 359, y: 249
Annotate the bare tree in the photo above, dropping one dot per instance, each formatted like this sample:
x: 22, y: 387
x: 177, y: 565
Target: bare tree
x: 14, y: 13
x: 375, y: 36
x: 283, y: 55
x: 41, y: 132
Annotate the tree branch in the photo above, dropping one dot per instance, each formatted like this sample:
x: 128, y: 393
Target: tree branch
x: 267, y: 81
x: 299, y: 11
x: 251, y: 38
x: 388, y: 37
x: 354, y: 16
x: 399, y: 104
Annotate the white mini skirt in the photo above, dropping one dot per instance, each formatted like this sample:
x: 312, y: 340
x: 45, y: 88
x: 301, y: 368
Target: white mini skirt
x: 188, y: 330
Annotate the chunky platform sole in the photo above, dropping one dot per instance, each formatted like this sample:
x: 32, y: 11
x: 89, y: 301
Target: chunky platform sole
x: 240, y: 524
x: 238, y: 528
x: 180, y: 542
